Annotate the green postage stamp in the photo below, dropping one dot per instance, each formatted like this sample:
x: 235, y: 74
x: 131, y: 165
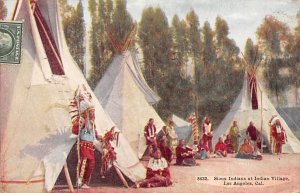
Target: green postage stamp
x: 10, y: 42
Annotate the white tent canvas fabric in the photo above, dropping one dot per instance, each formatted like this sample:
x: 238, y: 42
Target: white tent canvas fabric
x: 183, y: 129
x: 242, y: 112
x: 35, y: 123
x: 126, y: 97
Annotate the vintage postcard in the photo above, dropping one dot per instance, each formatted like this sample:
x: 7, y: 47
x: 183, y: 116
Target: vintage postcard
x: 149, y: 96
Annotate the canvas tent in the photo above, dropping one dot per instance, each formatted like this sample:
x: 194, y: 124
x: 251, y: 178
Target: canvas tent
x: 242, y: 111
x: 292, y: 117
x: 183, y: 129
x: 127, y: 98
x: 34, y: 120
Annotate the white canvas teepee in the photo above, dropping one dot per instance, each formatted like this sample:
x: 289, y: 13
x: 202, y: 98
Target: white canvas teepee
x: 126, y: 97
x: 183, y: 129
x: 242, y: 112
x: 35, y: 123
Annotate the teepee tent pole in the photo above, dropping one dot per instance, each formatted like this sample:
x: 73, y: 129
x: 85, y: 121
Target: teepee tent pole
x: 261, y: 115
x: 121, y: 176
x: 78, y: 142
x: 68, y: 178
x: 196, y: 137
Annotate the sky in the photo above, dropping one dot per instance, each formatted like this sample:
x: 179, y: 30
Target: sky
x: 243, y: 16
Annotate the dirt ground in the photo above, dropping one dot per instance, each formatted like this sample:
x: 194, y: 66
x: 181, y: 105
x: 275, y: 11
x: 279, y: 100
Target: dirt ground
x: 274, y: 174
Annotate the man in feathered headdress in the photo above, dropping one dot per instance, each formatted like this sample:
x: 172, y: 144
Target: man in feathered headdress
x: 83, y: 125
x: 278, y: 134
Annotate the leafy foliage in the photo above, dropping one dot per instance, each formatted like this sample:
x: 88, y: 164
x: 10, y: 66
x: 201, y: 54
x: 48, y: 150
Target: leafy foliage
x: 276, y: 42
x: 106, y: 17
x: 219, y: 69
x: 211, y: 92
x: 74, y: 28
x: 122, y: 21
x: 167, y: 50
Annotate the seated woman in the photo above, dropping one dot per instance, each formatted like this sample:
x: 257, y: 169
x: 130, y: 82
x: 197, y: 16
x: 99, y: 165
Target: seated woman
x: 203, y: 151
x: 158, y: 173
x: 220, y: 148
x: 246, y: 150
x: 229, y: 144
x: 184, y: 155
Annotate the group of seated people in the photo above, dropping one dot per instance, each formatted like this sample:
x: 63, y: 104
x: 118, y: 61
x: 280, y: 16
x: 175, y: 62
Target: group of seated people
x: 250, y: 149
x: 162, y: 149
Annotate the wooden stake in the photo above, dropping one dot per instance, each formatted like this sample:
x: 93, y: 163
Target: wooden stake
x: 68, y: 178
x: 261, y: 114
x: 121, y: 176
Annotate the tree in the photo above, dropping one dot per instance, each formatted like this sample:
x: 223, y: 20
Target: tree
x: 276, y: 82
x: 180, y: 44
x: 294, y: 62
x: 218, y: 72
x: 195, y: 46
x: 106, y: 19
x: 92, y: 5
x: 78, y: 50
x: 122, y: 21
x: 221, y: 31
x: 273, y: 37
x: 74, y: 29
x: 178, y: 81
x: 226, y: 47
x: 270, y: 34
x: 155, y: 39
x: 249, y: 51
x: 3, y: 10
x: 105, y: 11
x: 194, y: 36
x: 208, y: 58
x: 94, y: 45
x: 209, y: 49
x: 109, y: 10
x: 66, y: 9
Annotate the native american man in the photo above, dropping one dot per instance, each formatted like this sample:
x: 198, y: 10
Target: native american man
x: 278, y: 135
x: 184, y: 154
x: 150, y: 134
x: 207, y: 133
x: 252, y: 132
x: 83, y: 125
